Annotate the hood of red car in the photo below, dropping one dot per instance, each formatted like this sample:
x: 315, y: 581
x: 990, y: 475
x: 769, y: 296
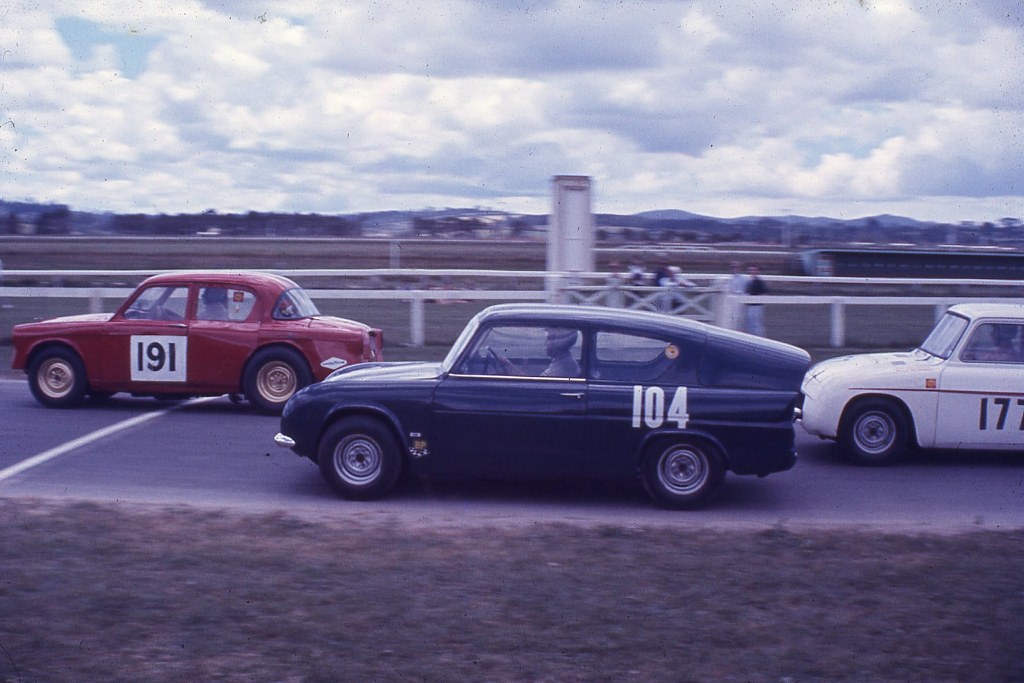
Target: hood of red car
x: 75, y: 319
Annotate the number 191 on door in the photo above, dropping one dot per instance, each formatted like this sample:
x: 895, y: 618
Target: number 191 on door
x: 157, y: 358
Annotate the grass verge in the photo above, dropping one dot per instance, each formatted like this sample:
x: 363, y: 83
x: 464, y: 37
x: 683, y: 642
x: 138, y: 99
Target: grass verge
x: 104, y: 592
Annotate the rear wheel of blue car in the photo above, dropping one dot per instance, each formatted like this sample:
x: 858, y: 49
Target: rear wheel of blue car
x: 682, y: 474
x: 360, y: 458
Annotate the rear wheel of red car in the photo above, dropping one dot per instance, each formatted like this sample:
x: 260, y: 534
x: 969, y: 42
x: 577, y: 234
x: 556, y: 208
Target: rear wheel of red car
x: 360, y: 458
x: 272, y: 376
x: 57, y: 378
x: 682, y: 474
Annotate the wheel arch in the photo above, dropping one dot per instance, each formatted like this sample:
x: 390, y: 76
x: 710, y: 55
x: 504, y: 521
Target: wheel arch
x: 655, y: 439
x: 273, y: 346
x: 895, y: 401
x: 385, y: 417
x: 55, y: 344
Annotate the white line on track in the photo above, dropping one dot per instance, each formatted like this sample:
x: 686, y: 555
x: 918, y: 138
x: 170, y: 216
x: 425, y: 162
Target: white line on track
x: 46, y: 456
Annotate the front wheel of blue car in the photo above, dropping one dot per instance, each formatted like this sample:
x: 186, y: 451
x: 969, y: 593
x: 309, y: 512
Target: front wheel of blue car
x: 682, y: 474
x: 360, y: 458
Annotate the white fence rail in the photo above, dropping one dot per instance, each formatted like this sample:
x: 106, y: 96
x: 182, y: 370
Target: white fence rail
x: 708, y: 300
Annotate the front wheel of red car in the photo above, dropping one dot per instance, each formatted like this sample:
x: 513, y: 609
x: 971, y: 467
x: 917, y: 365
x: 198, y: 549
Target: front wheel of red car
x: 273, y: 376
x: 682, y: 474
x: 57, y: 378
x: 360, y: 458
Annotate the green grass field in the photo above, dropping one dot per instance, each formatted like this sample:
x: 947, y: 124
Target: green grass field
x: 106, y: 593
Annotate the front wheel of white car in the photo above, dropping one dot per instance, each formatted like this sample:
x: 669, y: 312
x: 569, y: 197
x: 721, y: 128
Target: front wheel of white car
x: 875, y: 432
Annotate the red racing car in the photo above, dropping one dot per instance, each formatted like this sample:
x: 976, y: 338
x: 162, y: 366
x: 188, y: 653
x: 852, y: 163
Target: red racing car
x: 193, y: 334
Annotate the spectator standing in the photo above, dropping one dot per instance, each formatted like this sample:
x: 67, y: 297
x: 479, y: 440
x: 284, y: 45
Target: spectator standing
x: 755, y: 312
x: 736, y: 285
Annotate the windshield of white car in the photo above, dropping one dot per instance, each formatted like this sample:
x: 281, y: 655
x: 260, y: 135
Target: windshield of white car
x: 944, y: 337
x: 460, y: 344
x: 293, y: 305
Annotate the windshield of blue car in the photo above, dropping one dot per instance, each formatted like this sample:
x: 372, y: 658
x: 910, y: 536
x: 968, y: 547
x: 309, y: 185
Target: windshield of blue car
x: 460, y: 344
x: 944, y: 337
x: 293, y: 305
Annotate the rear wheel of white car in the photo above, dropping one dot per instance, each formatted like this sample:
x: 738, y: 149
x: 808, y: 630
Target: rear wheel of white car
x: 874, y: 432
x: 56, y: 377
x: 360, y: 458
x: 682, y: 474
x: 273, y: 376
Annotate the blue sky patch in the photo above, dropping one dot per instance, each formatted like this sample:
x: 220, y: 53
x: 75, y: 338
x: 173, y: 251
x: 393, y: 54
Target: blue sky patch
x: 83, y: 37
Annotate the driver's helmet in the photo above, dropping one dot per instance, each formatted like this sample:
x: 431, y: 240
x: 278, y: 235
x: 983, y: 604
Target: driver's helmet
x: 560, y: 340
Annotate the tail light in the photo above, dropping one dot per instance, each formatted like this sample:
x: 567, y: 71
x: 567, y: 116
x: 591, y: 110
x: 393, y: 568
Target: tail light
x: 376, y: 345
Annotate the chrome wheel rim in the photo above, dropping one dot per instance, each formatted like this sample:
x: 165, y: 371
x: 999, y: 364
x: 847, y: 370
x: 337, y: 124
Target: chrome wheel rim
x: 683, y: 470
x: 874, y: 432
x: 276, y: 382
x: 56, y: 378
x: 358, y: 460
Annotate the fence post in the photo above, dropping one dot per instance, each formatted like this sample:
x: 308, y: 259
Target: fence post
x: 838, y: 333
x: 95, y: 301
x: 416, y: 324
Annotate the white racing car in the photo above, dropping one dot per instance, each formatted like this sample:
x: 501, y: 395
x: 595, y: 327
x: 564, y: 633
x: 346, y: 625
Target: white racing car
x: 962, y: 388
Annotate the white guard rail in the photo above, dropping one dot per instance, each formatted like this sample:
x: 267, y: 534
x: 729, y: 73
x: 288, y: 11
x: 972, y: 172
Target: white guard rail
x: 707, y: 300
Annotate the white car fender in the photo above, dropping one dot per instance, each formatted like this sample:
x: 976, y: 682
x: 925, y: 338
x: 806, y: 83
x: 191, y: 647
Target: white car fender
x: 909, y: 378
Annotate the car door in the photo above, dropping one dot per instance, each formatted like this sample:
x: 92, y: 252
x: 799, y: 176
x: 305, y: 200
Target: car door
x: 147, y: 342
x: 514, y: 406
x: 639, y: 384
x: 981, y: 391
x: 221, y: 335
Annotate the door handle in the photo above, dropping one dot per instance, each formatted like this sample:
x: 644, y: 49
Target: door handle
x: 572, y: 394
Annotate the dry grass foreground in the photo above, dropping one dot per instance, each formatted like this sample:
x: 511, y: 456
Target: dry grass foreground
x: 94, y: 592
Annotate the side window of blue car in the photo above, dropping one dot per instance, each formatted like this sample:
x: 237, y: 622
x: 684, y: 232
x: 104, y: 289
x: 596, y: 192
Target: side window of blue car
x: 626, y: 357
x: 526, y: 351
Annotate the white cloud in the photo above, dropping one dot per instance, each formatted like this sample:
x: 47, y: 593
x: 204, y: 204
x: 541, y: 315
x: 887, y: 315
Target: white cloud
x: 836, y: 107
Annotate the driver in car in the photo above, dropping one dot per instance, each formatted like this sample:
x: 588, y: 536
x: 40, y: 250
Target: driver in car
x: 558, y: 346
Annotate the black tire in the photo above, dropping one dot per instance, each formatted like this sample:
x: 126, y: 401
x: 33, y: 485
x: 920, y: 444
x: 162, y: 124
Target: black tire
x: 272, y: 376
x: 360, y: 458
x: 682, y: 474
x: 57, y: 379
x: 874, y: 432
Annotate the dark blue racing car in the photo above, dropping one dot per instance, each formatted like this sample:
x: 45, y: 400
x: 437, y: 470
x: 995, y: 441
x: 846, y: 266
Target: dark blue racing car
x: 560, y: 393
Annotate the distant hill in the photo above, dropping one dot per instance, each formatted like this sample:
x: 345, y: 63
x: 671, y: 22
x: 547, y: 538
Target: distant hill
x: 662, y: 225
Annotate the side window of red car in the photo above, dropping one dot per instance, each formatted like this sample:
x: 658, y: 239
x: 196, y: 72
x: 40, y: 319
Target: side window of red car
x: 224, y: 303
x: 159, y: 303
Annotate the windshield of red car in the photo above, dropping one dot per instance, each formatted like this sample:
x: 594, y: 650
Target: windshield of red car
x: 293, y: 305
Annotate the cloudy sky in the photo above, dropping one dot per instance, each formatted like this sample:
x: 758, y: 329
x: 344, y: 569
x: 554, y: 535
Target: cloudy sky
x: 842, y: 108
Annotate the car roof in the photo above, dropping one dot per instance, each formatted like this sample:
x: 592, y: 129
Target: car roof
x: 723, y: 348
x: 251, y: 278
x: 989, y: 310
x: 590, y: 314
